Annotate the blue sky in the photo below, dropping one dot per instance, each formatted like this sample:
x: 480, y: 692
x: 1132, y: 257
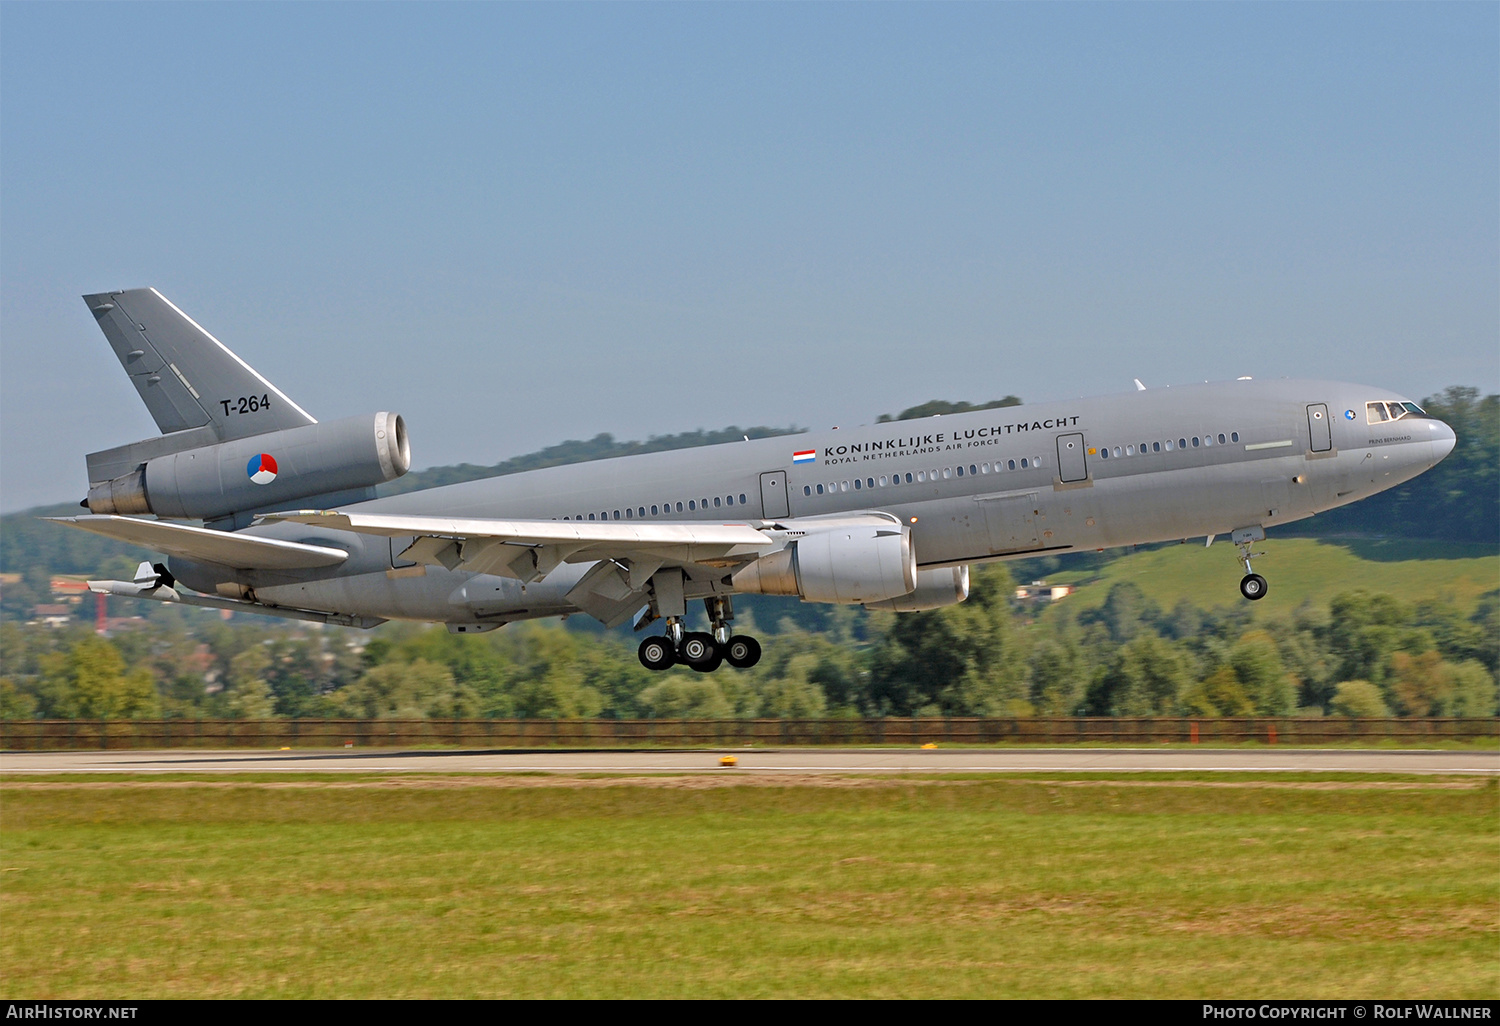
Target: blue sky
x: 518, y: 223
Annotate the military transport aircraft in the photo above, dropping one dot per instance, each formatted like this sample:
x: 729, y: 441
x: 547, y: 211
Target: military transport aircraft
x: 889, y: 516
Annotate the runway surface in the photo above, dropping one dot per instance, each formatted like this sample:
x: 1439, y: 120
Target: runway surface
x: 800, y: 761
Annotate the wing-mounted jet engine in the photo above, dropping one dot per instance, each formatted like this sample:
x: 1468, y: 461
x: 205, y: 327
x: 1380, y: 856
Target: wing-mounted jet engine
x: 864, y: 559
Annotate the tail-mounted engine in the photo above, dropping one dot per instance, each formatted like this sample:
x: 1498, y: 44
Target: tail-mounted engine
x: 251, y: 474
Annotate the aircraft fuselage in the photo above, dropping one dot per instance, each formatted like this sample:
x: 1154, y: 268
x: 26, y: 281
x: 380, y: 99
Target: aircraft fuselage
x: 1163, y: 464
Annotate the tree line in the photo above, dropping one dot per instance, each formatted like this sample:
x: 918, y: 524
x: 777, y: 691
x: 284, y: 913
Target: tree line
x: 1364, y: 655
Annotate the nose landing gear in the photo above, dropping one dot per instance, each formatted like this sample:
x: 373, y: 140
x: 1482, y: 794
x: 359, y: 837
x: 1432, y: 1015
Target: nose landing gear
x: 1253, y: 586
x: 703, y: 651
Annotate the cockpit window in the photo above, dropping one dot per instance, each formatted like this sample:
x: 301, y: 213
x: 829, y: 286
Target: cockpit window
x: 1376, y: 413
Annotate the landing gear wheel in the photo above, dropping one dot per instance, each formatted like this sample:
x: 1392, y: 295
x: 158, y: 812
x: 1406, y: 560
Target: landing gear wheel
x: 712, y: 664
x: 1253, y: 587
x: 698, y: 648
x: 742, y: 652
x: 656, y: 653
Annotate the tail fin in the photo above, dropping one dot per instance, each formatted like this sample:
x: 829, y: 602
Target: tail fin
x: 186, y: 377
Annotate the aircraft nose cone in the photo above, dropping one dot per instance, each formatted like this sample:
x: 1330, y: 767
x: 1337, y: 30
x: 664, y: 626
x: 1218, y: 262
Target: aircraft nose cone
x: 1443, y: 441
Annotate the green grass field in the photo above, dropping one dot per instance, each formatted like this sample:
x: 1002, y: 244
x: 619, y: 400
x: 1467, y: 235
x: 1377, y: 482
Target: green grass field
x: 1299, y: 570
x: 1172, y: 886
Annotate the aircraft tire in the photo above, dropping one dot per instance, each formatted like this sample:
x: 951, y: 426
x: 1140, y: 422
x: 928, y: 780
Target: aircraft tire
x: 1253, y: 587
x: 656, y: 653
x: 712, y: 664
x: 742, y: 652
x: 698, y: 647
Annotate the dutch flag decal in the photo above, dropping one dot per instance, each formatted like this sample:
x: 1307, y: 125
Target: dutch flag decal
x: 805, y: 456
x: 262, y: 468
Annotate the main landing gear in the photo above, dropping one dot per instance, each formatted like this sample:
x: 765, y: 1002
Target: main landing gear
x: 704, y: 652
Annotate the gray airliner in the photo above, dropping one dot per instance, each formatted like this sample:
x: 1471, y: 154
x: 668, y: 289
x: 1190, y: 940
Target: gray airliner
x: 890, y: 516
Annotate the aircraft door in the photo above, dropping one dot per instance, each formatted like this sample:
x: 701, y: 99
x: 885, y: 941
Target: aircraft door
x: 773, y: 502
x: 1318, y: 428
x: 1072, y: 464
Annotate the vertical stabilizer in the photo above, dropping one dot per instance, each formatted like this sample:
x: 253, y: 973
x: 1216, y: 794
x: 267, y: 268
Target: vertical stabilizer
x: 186, y: 377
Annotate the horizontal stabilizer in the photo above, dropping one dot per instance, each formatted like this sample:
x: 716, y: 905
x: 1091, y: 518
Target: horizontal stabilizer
x: 164, y: 593
x: 237, y: 550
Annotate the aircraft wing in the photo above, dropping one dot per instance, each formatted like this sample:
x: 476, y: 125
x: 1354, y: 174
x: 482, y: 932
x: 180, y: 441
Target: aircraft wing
x: 530, y: 549
x: 237, y: 550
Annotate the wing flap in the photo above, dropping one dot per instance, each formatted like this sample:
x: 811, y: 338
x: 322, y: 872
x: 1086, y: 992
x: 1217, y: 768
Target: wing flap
x: 237, y: 550
x: 530, y: 549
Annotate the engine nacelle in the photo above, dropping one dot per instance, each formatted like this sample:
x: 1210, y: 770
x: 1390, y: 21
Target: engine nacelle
x: 935, y: 589
x: 262, y: 471
x: 866, y: 561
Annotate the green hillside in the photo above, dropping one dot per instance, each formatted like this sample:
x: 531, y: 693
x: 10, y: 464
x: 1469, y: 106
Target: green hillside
x: 1299, y: 570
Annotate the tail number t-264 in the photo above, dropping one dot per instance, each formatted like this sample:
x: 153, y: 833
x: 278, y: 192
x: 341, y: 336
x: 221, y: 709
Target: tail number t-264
x: 246, y: 404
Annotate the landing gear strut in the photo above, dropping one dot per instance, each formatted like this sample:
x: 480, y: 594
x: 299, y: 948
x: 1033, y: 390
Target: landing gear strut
x: 703, y: 651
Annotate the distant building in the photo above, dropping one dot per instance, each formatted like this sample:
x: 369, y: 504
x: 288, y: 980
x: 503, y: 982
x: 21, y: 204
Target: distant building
x: 69, y: 589
x: 54, y: 614
x: 1041, y: 591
